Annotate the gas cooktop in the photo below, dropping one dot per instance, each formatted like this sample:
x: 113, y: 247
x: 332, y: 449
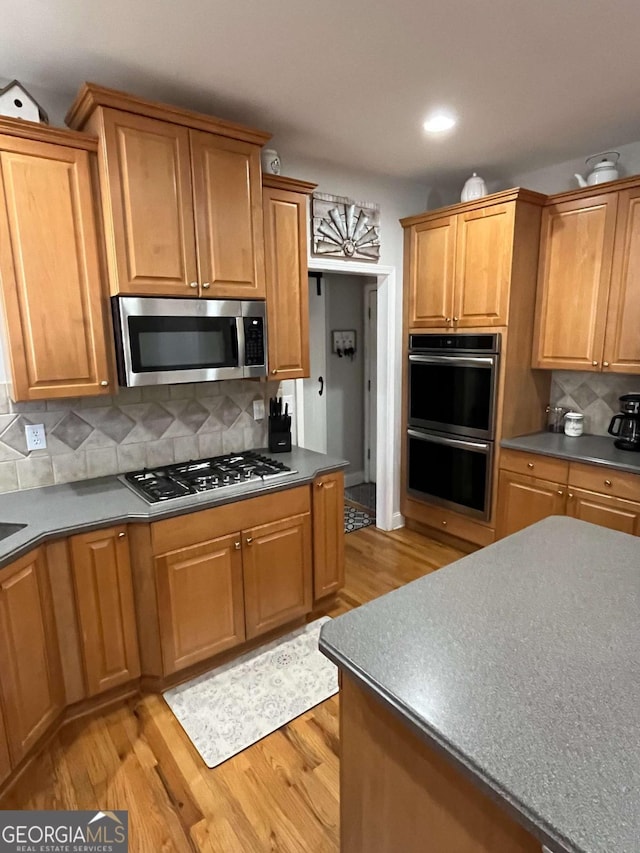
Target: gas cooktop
x: 204, y: 475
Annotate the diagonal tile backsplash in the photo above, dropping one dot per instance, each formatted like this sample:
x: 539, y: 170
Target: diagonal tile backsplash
x: 137, y: 428
x: 594, y: 394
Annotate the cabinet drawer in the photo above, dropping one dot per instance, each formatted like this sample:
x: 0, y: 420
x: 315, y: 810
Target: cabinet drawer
x: 196, y: 527
x: 545, y: 467
x: 607, y: 481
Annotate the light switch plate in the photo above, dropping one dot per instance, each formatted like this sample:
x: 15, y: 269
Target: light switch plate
x: 36, y: 437
x: 258, y: 410
x: 343, y: 339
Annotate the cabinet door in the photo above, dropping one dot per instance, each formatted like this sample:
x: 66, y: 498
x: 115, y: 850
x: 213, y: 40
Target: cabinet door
x: 50, y: 271
x: 483, y: 266
x: 31, y: 684
x: 524, y: 500
x: 277, y: 573
x: 328, y: 534
x: 5, y: 760
x: 614, y: 513
x: 576, y: 255
x: 200, y: 601
x: 104, y: 598
x: 622, y: 339
x: 431, y: 260
x: 228, y: 206
x: 285, y: 238
x: 149, y: 206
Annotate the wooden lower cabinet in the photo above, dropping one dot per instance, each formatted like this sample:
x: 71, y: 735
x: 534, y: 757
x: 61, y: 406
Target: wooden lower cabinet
x: 523, y: 500
x: 31, y: 685
x: 607, y: 511
x: 106, y: 613
x: 5, y: 760
x: 200, y: 601
x: 328, y: 534
x: 277, y: 573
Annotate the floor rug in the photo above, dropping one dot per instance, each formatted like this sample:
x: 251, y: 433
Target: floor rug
x: 355, y: 519
x: 363, y: 494
x: 232, y: 707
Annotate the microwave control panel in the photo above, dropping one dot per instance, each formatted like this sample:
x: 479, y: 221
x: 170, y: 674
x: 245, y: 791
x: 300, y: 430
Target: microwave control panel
x: 254, y: 354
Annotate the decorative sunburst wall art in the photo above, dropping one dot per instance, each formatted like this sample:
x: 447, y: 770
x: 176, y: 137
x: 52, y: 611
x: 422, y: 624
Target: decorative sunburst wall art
x: 343, y: 228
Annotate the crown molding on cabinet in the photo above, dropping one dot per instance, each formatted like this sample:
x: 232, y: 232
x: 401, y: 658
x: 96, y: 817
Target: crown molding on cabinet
x: 37, y: 132
x: 515, y: 194
x: 279, y: 182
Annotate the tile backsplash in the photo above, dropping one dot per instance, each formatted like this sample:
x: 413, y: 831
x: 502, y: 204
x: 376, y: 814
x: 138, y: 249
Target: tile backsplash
x: 137, y: 428
x: 593, y: 394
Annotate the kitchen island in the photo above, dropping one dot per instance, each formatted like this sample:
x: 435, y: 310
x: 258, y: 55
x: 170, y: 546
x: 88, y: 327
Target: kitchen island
x: 494, y: 705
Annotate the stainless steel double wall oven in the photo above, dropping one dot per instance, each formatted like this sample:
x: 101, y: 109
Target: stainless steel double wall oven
x: 452, y: 387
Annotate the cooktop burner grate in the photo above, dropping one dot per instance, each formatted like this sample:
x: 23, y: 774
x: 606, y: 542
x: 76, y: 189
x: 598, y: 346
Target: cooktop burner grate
x: 203, y: 475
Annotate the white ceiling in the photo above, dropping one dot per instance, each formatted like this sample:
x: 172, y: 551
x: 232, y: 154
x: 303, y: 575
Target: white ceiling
x: 350, y: 81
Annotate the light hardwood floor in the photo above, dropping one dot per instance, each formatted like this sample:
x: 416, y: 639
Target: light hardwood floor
x: 279, y: 795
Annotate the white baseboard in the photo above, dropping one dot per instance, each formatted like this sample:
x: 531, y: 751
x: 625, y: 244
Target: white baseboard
x: 397, y: 520
x: 353, y: 478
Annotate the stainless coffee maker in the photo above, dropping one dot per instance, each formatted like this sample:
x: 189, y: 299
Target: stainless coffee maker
x: 626, y: 425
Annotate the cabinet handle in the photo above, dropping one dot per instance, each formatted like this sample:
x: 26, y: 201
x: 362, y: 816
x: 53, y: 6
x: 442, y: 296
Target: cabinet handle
x: 237, y: 545
x: 605, y: 364
x: 121, y: 535
x: 560, y: 492
x: 607, y: 482
x: 594, y: 363
x: 193, y: 284
x: 104, y: 383
x: 249, y: 540
x: 529, y: 464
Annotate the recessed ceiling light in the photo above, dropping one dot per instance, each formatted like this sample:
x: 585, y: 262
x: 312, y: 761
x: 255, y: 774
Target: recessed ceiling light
x: 439, y: 122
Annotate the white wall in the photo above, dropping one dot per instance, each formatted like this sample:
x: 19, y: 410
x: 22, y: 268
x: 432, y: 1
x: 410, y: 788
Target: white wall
x: 345, y: 376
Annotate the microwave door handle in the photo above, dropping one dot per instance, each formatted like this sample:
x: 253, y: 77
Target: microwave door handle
x: 242, y: 360
x: 450, y: 442
x: 455, y: 360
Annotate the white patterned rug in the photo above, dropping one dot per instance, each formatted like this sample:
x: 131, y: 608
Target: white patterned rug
x: 228, y: 709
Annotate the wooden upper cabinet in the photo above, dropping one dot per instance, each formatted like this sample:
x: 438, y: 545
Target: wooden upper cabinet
x: 50, y: 266
x: 430, y: 250
x: 285, y: 239
x: 182, y: 197
x: 200, y: 601
x: 576, y: 255
x: 228, y: 206
x: 328, y: 534
x: 106, y: 613
x: 31, y: 686
x: 277, y: 561
x: 622, y: 337
x: 148, y: 204
x: 484, y: 245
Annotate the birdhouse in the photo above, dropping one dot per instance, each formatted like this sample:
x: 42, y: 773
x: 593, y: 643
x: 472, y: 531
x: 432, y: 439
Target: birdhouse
x: 16, y: 102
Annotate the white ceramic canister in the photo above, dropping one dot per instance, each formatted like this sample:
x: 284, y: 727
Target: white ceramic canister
x: 270, y: 161
x: 573, y: 424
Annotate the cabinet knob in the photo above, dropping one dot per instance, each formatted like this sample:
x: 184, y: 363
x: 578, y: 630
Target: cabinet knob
x: 570, y: 495
x: 249, y: 540
x: 560, y: 492
x: 104, y: 383
x: 121, y: 535
x: 273, y: 372
x: 447, y: 320
x: 594, y: 363
x: 529, y: 464
x: 455, y: 319
x: 237, y: 545
x: 607, y: 482
x: 193, y: 284
x: 206, y: 285
x: 605, y: 364
x: 444, y: 523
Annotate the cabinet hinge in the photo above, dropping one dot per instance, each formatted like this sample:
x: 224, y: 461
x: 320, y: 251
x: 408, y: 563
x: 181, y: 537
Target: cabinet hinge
x: 368, y: 385
x: 368, y: 453
x: 369, y: 313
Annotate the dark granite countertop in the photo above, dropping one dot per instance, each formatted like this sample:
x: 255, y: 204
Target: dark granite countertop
x: 593, y: 449
x: 521, y: 661
x: 55, y: 511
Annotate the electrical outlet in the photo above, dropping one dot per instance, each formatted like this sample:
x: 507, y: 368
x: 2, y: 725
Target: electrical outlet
x: 258, y: 410
x: 36, y: 437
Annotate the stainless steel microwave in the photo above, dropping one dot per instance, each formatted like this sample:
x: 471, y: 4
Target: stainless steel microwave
x: 161, y: 341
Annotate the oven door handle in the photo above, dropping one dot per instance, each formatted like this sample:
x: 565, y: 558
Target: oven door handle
x: 451, y: 442
x: 455, y: 360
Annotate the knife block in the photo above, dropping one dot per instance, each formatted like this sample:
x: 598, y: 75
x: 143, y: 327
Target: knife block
x: 280, y: 434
